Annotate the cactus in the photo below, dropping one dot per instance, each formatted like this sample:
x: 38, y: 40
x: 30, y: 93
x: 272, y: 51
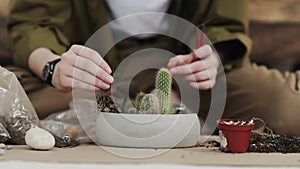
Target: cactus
x: 159, y: 100
x: 163, y: 89
x: 132, y: 110
x: 149, y: 104
x: 138, y: 99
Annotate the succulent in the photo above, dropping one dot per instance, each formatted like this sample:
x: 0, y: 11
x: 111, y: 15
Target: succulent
x: 149, y: 104
x: 138, y: 99
x: 158, y: 101
x: 132, y: 110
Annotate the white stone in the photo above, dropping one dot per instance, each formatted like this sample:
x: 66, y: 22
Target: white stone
x: 39, y: 139
x: 2, y: 151
x: 9, y: 147
x: 2, y: 146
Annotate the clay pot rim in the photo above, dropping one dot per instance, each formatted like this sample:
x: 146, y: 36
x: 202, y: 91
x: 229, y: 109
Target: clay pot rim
x: 221, y: 120
x: 234, y: 128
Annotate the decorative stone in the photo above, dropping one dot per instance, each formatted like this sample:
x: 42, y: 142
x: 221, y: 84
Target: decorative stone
x: 2, y: 151
x: 9, y: 147
x: 2, y: 146
x: 39, y: 139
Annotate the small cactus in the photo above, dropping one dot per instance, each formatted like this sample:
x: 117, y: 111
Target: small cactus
x: 132, y: 110
x: 149, y: 104
x: 138, y: 99
x: 159, y: 100
x: 163, y: 89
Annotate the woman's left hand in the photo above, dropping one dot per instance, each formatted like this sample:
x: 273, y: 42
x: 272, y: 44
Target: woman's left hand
x: 199, y: 67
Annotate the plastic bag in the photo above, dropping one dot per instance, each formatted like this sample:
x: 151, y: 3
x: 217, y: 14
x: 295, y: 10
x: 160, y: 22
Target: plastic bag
x: 4, y: 135
x: 59, y: 123
x: 16, y: 111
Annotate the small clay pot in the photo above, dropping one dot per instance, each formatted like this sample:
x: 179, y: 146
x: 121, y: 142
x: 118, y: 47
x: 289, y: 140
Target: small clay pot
x: 234, y: 137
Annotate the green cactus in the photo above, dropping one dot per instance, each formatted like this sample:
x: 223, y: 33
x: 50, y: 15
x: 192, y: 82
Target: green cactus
x: 149, y: 104
x: 163, y: 89
x: 138, y: 99
x: 159, y: 100
x: 132, y: 110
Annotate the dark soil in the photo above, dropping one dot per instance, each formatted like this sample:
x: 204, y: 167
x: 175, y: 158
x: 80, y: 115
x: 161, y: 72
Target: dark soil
x: 105, y: 103
x: 269, y: 143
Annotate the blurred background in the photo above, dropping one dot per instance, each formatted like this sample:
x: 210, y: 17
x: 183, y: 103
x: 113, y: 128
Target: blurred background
x: 274, y: 29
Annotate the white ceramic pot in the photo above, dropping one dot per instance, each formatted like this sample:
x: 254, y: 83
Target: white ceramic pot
x: 147, y: 130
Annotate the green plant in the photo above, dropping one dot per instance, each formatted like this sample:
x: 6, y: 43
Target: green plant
x: 163, y: 84
x: 138, y: 99
x: 159, y: 100
x: 149, y: 104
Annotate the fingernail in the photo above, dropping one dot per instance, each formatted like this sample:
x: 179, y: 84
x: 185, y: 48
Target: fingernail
x: 109, y: 79
x: 106, y: 86
x: 173, y: 70
x: 108, y: 70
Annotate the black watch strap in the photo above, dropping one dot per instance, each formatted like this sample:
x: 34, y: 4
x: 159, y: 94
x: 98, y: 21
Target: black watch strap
x: 49, y: 70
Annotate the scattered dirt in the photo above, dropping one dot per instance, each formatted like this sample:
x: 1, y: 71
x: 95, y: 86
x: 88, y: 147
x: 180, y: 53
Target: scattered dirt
x: 269, y: 143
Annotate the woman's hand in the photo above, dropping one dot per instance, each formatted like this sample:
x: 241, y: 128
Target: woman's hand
x: 199, y: 67
x: 83, y: 68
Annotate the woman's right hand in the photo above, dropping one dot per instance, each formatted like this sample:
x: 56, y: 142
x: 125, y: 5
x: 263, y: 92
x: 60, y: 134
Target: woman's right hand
x: 83, y: 68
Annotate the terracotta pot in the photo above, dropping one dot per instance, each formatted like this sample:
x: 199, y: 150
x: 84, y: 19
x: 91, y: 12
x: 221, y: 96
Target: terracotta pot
x: 234, y: 138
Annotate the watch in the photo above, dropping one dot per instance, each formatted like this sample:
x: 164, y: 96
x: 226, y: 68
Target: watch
x: 48, y: 71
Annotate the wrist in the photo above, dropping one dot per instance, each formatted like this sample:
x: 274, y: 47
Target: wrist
x: 48, y: 71
x: 56, y: 83
x: 39, y: 58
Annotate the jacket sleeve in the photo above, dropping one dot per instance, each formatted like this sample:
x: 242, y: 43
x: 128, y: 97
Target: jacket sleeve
x: 37, y: 23
x: 228, y: 30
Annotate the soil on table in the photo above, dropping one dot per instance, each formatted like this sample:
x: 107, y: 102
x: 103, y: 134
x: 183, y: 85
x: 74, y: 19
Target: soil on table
x: 269, y: 143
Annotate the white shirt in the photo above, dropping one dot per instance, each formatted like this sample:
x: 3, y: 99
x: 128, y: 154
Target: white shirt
x: 137, y: 23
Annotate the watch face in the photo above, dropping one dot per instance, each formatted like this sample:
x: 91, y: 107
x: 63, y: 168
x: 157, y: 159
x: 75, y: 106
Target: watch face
x: 46, y: 72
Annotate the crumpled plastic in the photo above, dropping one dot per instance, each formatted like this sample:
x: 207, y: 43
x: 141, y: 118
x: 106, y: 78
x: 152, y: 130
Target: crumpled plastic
x: 58, y: 124
x: 17, y: 114
x: 4, y: 135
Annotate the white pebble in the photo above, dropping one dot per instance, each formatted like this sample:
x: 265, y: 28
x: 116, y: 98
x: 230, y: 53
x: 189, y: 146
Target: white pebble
x: 39, y: 139
x: 2, y: 146
x: 2, y: 151
x: 9, y: 147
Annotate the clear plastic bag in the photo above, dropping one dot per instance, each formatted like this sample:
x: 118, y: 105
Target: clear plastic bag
x: 16, y: 111
x: 4, y: 135
x: 59, y: 123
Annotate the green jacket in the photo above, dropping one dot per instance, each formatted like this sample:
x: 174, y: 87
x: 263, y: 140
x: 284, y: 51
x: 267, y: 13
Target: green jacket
x: 56, y: 24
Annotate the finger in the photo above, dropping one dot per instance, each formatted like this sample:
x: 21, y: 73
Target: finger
x: 90, y: 79
x: 204, y: 85
x: 74, y: 83
x: 89, y: 66
x: 200, y: 53
x: 91, y: 55
x: 193, y: 67
x: 180, y: 60
x: 86, y: 65
x: 86, y: 77
x: 202, y: 76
